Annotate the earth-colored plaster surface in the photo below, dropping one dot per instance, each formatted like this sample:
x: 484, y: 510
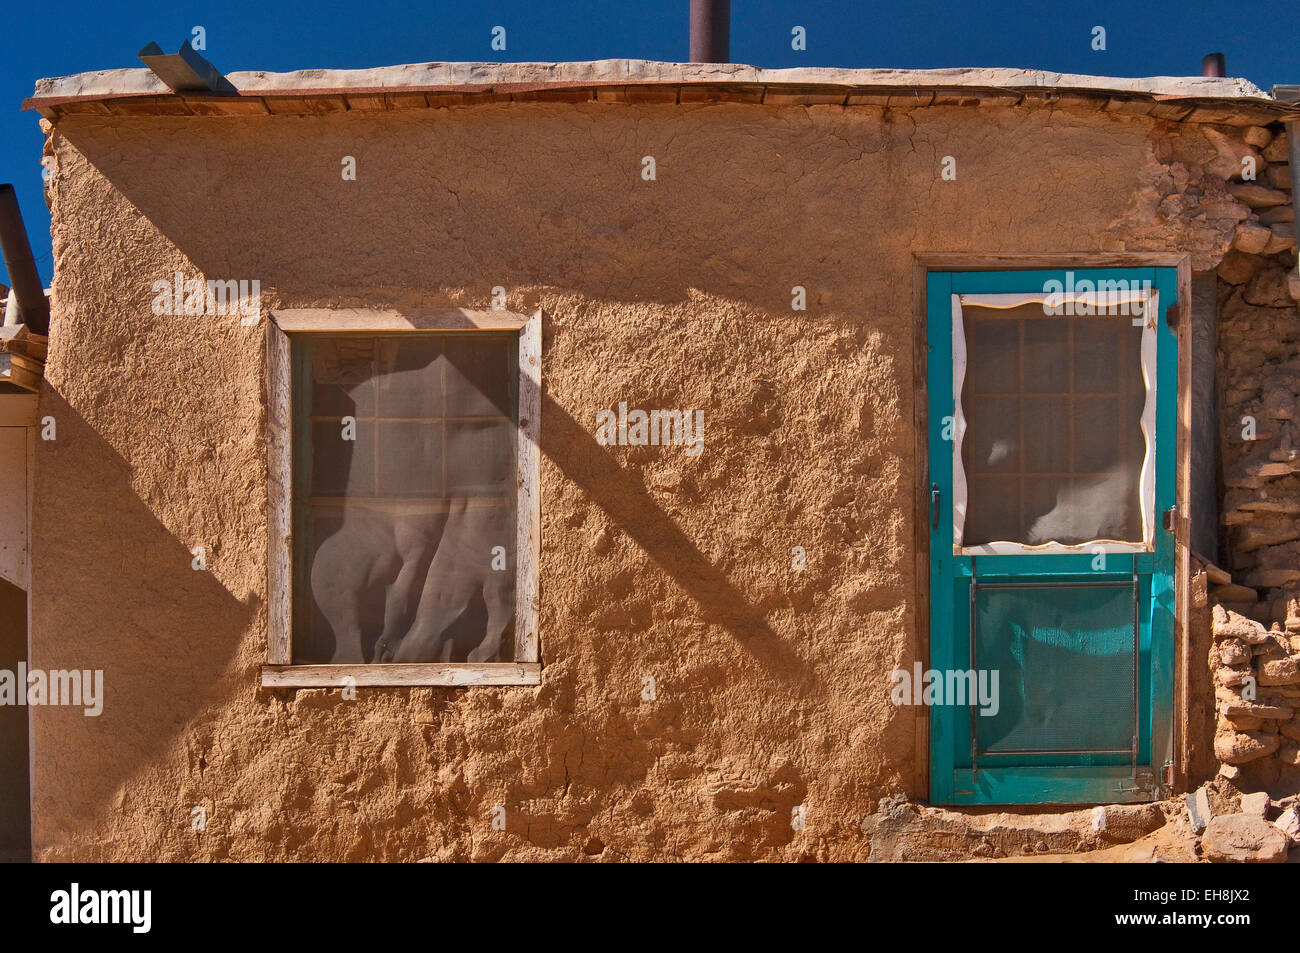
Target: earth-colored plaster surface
x: 771, y: 684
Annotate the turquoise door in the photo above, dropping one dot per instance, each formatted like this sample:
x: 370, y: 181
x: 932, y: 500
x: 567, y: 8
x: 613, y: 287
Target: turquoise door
x: 1052, y: 436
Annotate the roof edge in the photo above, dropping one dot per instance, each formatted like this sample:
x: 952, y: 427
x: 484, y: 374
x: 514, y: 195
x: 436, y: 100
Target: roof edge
x: 114, y: 83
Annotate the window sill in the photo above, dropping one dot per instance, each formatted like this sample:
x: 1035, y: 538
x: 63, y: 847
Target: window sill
x: 402, y: 676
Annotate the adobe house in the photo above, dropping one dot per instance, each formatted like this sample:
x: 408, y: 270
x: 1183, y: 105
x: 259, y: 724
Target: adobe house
x: 549, y: 461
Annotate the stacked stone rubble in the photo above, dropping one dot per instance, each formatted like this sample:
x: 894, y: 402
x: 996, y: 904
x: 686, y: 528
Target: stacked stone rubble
x: 1257, y: 699
x: 1259, y: 381
x: 1255, y: 657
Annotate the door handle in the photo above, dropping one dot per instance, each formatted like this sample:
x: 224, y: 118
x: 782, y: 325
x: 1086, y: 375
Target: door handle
x: 935, y: 494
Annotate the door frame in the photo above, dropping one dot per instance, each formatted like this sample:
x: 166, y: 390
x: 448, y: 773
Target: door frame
x: 1175, y: 746
x: 21, y: 410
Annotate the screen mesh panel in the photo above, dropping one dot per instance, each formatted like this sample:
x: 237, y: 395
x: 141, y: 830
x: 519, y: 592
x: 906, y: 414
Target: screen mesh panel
x: 405, y: 521
x: 1064, y: 657
x: 1054, y: 448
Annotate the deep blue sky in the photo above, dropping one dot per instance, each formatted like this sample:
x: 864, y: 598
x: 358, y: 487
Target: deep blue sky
x: 1144, y: 38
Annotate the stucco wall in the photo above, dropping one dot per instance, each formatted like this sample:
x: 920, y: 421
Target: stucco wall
x: 772, y: 685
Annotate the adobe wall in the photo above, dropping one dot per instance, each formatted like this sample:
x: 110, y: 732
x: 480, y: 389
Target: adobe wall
x: 772, y: 685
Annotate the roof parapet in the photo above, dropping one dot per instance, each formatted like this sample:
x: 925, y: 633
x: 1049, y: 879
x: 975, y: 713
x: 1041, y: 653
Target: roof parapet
x: 141, y: 92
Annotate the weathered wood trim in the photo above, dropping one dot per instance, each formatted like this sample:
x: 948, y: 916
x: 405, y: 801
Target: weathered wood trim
x: 1000, y: 261
x: 279, y: 671
x: 18, y: 412
x: 31, y: 514
x: 528, y: 544
x: 1184, y: 502
x: 401, y: 676
x: 921, y: 513
x: 370, y: 319
x: 15, y: 508
x: 279, y: 495
x: 25, y: 372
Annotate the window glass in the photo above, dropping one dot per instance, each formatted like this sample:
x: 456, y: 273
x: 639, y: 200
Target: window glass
x: 1054, y: 448
x: 404, y: 498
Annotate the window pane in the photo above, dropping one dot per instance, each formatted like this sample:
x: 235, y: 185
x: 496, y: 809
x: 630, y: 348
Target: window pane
x: 992, y: 443
x: 993, y: 355
x: 1053, y: 404
x: 405, y: 522
x: 1098, y: 348
x: 339, y: 465
x: 410, y: 458
x: 480, y: 458
x: 1046, y: 352
x: 410, y: 378
x: 341, y: 378
x: 1045, y: 451
x: 1000, y: 507
x: 475, y: 385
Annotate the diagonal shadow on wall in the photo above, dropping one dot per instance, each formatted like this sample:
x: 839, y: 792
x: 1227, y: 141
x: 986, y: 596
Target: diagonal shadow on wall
x: 624, y: 498
x: 113, y: 589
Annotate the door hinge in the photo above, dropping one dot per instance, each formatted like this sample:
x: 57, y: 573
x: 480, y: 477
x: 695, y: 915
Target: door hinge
x: 1168, y: 519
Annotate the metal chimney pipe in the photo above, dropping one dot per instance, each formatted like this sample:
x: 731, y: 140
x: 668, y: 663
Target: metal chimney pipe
x: 710, y: 31
x: 1213, y: 64
x: 33, y: 306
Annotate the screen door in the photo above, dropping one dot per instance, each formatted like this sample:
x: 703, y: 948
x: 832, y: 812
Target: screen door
x: 1052, y: 415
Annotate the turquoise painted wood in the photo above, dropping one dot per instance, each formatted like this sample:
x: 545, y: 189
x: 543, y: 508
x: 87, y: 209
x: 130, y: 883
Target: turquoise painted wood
x: 1056, y: 778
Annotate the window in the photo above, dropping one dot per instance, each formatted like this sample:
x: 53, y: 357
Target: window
x: 403, y: 498
x: 1053, y: 423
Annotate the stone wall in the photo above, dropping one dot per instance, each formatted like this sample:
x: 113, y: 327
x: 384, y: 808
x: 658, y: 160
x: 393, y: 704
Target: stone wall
x: 1255, y: 656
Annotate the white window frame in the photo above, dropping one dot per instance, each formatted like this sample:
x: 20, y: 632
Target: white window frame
x: 1149, y: 299
x: 279, y: 672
